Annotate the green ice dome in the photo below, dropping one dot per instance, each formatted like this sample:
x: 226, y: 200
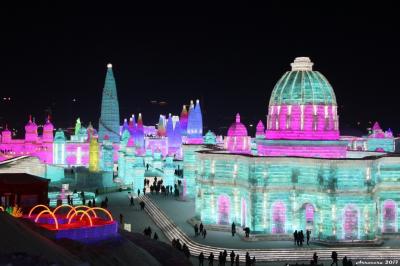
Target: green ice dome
x: 302, y: 86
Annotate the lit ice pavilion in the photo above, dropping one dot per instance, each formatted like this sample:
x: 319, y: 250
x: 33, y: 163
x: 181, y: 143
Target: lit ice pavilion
x: 302, y: 174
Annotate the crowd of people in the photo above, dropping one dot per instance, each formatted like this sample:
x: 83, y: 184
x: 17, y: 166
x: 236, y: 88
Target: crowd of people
x: 298, y: 237
x: 178, y: 245
x: 334, y: 257
x: 147, y: 232
x: 158, y: 188
x: 222, y: 259
x: 200, y: 230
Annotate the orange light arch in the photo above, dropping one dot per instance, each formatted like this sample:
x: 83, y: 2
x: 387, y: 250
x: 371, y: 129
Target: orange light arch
x: 83, y: 213
x: 62, y: 206
x: 101, y: 209
x: 52, y: 214
x: 38, y: 206
x: 75, y: 209
x: 1, y: 208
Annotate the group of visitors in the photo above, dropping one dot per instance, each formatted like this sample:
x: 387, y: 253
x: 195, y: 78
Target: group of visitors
x: 200, y: 230
x: 345, y: 260
x: 222, y: 259
x: 104, y: 203
x: 147, y: 232
x: 298, y: 237
x: 184, y: 248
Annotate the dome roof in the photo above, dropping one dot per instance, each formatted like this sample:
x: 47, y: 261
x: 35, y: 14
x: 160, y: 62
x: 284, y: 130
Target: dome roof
x: 48, y: 126
x: 237, y: 129
x: 31, y: 125
x: 302, y: 86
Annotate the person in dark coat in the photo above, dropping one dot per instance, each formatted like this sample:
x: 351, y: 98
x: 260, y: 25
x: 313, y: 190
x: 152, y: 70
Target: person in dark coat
x: 308, y: 234
x: 247, y: 259
x: 233, y: 228
x: 204, y: 233
x: 334, y: 257
x: 232, y: 255
x: 211, y: 259
x: 237, y: 260
x: 155, y: 236
x: 344, y: 261
x: 315, y: 258
x: 201, y: 259
x: 132, y: 202
x: 295, y: 236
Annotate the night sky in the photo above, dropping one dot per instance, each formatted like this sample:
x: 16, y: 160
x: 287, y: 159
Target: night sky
x: 229, y: 57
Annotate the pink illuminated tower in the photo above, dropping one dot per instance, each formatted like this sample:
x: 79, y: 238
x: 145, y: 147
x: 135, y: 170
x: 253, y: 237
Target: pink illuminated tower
x: 237, y: 140
x: 6, y: 135
x: 260, y: 130
x: 48, y: 129
x: 31, y: 134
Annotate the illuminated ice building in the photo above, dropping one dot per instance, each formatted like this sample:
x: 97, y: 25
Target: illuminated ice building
x: 304, y: 176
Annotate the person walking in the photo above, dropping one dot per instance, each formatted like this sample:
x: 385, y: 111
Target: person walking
x: 334, y: 257
x: 201, y: 228
x: 237, y: 260
x: 295, y: 235
x: 233, y: 228
x: 204, y: 233
x: 224, y: 256
x: 138, y: 192
x: 301, y: 237
x: 308, y: 234
x: 315, y: 258
x: 220, y: 258
x: 201, y: 259
x: 247, y: 259
x: 196, y: 230
x: 232, y: 255
x: 142, y: 204
x: 155, y: 236
x: 132, y: 202
x: 211, y: 259
x: 121, y: 217
x: 345, y: 261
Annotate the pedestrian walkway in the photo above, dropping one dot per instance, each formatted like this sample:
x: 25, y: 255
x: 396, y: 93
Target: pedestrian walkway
x: 171, y: 231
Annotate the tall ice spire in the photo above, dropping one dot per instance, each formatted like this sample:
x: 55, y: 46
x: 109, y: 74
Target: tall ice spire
x: 109, y: 118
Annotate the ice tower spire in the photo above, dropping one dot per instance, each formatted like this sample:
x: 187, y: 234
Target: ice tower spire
x: 195, y: 124
x: 184, y: 120
x: 109, y: 118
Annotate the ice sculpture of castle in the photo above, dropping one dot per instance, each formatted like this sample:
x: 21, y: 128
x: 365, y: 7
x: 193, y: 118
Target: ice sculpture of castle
x: 302, y: 174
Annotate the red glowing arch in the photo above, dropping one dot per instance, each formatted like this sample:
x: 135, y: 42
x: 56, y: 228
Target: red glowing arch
x: 38, y: 206
x: 83, y: 213
x: 75, y: 209
x: 49, y: 212
x: 62, y: 206
x: 100, y: 209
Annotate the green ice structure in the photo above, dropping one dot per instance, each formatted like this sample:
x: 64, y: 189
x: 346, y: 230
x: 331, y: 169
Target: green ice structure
x: 335, y: 199
x: 346, y: 196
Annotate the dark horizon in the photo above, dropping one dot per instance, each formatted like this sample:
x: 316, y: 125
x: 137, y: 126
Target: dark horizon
x: 230, y: 60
